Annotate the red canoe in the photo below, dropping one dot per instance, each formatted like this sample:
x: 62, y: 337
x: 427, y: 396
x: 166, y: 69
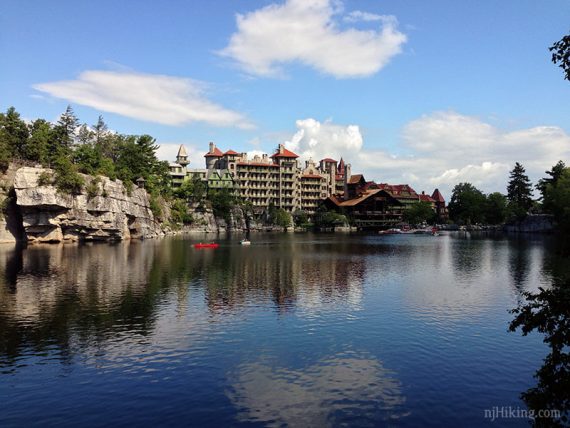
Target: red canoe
x: 212, y: 245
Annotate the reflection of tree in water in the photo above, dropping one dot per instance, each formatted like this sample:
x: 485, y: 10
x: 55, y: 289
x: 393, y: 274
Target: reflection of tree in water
x: 548, y: 312
x: 58, y: 298
x: 519, y: 265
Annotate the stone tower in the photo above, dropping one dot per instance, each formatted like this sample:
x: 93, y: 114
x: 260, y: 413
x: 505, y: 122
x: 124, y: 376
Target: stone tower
x: 182, y: 157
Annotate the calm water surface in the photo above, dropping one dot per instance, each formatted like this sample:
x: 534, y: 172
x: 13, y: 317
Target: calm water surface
x: 299, y: 330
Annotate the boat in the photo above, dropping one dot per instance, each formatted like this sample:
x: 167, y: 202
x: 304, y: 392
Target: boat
x: 245, y: 242
x: 391, y: 232
x: 206, y: 245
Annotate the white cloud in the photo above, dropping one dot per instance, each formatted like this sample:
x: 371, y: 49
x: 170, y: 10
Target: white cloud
x: 154, y: 98
x: 306, y: 31
x: 445, y: 148
x: 358, y: 15
x: 318, y: 140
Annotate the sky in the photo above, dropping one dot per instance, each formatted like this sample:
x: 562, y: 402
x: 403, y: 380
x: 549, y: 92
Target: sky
x: 425, y: 93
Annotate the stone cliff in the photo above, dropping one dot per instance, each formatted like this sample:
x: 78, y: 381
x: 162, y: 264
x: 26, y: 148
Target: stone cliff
x: 105, y: 212
x: 36, y: 212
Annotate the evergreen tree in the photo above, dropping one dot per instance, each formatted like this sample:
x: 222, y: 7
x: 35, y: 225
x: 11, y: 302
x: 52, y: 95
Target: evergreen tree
x: 519, y: 191
x: 65, y: 131
x: 557, y: 198
x: 13, y: 134
x: 543, y: 184
x: 40, y: 142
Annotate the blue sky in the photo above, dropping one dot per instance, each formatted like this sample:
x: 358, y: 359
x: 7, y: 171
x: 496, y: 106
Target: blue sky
x: 428, y: 93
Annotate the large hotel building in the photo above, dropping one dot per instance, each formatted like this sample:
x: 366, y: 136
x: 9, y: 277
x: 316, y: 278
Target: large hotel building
x: 264, y: 180
x: 279, y: 180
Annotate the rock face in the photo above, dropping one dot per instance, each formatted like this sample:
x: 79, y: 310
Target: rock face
x: 11, y: 229
x: 533, y: 223
x: 104, y: 213
x: 205, y: 221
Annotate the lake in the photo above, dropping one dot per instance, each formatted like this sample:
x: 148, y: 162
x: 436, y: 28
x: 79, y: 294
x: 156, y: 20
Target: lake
x: 297, y: 329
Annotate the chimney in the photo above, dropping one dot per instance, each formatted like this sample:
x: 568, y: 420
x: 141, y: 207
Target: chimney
x: 212, y: 147
x: 281, y: 148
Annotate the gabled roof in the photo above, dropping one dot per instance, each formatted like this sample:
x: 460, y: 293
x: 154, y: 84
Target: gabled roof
x: 284, y: 154
x: 437, y: 196
x: 426, y: 198
x: 231, y: 152
x: 182, y: 151
x: 355, y: 179
x: 217, y: 153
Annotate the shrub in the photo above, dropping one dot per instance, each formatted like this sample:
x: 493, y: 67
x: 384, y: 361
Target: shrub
x: 45, y: 179
x: 155, y: 207
x: 93, y: 188
x: 67, y: 179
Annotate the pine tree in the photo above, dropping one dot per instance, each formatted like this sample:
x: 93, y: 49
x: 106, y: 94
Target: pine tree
x: 13, y: 133
x: 555, y: 173
x: 66, y: 128
x: 519, y: 191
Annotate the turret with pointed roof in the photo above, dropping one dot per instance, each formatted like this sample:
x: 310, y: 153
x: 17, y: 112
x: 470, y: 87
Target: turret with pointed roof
x: 341, y: 167
x: 182, y: 156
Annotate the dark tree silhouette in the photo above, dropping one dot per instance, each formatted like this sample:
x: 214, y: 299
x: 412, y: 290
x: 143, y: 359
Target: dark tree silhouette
x: 561, y: 55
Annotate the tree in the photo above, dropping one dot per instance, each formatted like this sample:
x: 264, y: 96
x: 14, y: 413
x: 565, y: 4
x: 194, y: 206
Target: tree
x: 544, y: 183
x: 281, y: 218
x: 13, y: 133
x: 548, y: 312
x: 300, y: 217
x: 561, y: 55
x: 419, y: 213
x: 467, y: 204
x: 519, y: 192
x: 496, y: 208
x: 557, y: 198
x: 40, y: 142
x: 66, y: 129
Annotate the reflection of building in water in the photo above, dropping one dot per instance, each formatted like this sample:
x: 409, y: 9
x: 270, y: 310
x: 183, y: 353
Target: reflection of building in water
x: 324, y: 394
x: 307, y: 276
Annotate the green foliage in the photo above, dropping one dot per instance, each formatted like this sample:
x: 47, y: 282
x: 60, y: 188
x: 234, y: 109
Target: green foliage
x: 561, y: 55
x: 544, y: 184
x: 548, y: 312
x: 67, y: 179
x: 45, y: 179
x: 324, y: 218
x: 467, y: 204
x: 222, y: 203
x: 419, y: 213
x: 92, y: 188
x: 193, y: 190
x: 519, y: 192
x: 557, y: 198
x: 155, y: 207
x: 496, y: 208
x: 281, y: 218
x: 65, y: 130
x: 40, y: 142
x: 179, y: 212
x: 300, y: 217
x: 13, y: 134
